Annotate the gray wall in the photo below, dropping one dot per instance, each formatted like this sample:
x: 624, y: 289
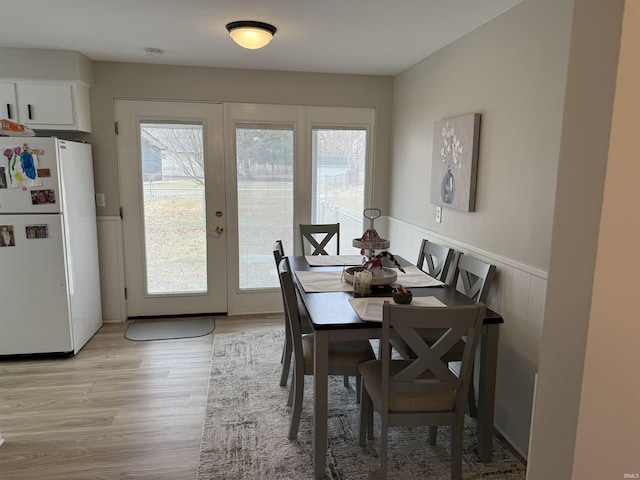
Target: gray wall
x: 512, y: 71
x: 124, y: 80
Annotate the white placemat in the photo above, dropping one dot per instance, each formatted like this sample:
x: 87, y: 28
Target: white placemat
x: 323, y: 281
x: 370, y: 308
x: 334, y: 260
x: 414, y: 277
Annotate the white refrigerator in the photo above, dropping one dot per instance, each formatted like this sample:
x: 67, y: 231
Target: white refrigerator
x: 49, y: 277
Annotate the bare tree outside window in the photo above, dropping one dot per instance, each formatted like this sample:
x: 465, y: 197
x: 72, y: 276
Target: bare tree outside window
x: 181, y: 151
x: 339, y: 159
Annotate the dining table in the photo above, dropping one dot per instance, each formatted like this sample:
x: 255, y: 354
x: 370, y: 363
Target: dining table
x: 330, y: 304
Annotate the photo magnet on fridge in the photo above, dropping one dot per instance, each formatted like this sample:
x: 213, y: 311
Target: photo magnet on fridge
x: 40, y: 197
x: 37, y: 231
x: 6, y: 236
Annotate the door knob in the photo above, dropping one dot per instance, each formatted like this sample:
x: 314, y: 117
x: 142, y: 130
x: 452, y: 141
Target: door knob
x: 219, y: 229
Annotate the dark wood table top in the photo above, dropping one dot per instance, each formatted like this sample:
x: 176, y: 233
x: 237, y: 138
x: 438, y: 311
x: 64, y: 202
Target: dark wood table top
x: 332, y: 310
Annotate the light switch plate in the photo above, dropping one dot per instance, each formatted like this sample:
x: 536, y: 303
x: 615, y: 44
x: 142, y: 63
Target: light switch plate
x: 100, y: 202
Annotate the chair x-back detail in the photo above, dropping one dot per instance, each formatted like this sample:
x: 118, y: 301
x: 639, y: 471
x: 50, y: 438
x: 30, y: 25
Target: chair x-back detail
x: 438, y: 259
x: 476, y: 277
x: 423, y: 390
x: 316, y: 237
x: 344, y: 357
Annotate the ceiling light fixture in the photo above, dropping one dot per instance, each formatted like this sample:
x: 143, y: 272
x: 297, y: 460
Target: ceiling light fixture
x: 250, y: 34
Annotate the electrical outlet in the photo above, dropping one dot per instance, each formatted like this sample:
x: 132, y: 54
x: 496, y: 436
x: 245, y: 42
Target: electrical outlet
x: 439, y: 214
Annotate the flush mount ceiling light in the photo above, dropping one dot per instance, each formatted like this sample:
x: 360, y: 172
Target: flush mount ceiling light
x: 250, y: 34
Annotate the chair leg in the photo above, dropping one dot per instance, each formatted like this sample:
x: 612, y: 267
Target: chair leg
x: 365, y: 405
x: 291, y: 391
x: 358, y: 389
x: 346, y: 381
x: 456, y: 451
x: 370, y: 420
x: 297, y: 386
x: 286, y: 358
x: 471, y: 399
x: 384, y: 437
x: 433, y: 435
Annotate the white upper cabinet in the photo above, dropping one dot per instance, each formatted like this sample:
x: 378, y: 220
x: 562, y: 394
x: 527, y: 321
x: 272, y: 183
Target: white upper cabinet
x: 8, y: 105
x: 46, y: 105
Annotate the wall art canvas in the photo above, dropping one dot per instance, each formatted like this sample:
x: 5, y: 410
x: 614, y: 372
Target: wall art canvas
x: 455, y: 162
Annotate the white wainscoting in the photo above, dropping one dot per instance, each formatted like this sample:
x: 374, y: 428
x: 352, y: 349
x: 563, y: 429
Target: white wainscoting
x: 518, y: 294
x: 111, y: 269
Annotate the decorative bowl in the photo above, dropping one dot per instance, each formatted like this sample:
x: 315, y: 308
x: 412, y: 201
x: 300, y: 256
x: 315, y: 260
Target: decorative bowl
x: 403, y: 298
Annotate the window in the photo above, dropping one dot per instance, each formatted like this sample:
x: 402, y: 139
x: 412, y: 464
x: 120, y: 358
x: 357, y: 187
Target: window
x: 173, y: 189
x: 339, y: 166
x: 264, y: 169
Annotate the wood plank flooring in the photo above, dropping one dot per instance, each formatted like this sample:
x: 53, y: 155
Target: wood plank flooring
x: 117, y: 410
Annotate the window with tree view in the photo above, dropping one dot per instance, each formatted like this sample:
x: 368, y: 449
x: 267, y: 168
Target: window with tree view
x: 339, y: 160
x: 265, y: 200
x: 173, y: 189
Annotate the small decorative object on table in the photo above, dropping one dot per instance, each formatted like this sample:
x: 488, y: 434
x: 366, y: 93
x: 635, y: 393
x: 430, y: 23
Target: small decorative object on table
x: 368, y: 243
x: 362, y: 283
x: 402, y: 295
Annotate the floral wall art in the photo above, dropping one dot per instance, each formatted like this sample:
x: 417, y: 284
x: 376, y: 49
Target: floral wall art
x: 455, y: 162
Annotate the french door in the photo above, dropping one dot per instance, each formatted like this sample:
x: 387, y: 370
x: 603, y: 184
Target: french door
x: 172, y: 190
x: 288, y: 165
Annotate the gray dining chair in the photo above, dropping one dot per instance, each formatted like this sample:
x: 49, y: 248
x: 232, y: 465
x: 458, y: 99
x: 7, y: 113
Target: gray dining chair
x: 422, y: 391
x: 435, y: 259
x: 475, y: 278
x: 305, y: 323
x: 344, y: 357
x: 316, y: 237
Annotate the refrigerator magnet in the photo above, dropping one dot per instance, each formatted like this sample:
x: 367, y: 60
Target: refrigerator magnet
x: 22, y: 168
x: 6, y: 236
x: 3, y: 178
x: 37, y: 231
x: 44, y: 172
x: 41, y: 197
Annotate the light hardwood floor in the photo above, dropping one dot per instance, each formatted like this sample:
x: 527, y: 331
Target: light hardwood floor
x: 117, y: 410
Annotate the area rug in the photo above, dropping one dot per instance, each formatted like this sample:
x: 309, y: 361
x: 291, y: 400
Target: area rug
x: 247, y: 421
x: 145, y: 330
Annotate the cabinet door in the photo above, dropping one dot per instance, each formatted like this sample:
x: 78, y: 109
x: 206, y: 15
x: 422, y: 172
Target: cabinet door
x: 8, y: 107
x: 45, y: 104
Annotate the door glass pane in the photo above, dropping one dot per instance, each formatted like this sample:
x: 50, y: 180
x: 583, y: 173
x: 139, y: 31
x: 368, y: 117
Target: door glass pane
x: 174, y: 207
x: 338, y: 181
x: 265, y: 201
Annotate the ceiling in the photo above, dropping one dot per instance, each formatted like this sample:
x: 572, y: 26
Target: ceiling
x: 376, y: 37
